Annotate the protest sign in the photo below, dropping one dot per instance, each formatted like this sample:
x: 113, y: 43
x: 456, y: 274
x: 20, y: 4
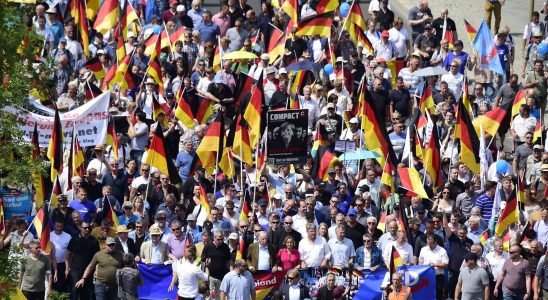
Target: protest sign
x: 421, y: 279
x: 287, y: 133
x: 90, y: 121
x: 17, y: 205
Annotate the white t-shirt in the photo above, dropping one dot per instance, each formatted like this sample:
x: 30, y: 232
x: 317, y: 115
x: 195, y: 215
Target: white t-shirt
x: 399, y: 38
x: 60, y: 241
x: 188, y: 275
x: 312, y: 253
x: 454, y: 83
x: 438, y: 255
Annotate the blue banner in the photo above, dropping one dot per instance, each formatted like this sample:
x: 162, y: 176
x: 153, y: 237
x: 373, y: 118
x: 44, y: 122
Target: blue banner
x: 17, y: 205
x: 421, y: 279
x: 156, y: 282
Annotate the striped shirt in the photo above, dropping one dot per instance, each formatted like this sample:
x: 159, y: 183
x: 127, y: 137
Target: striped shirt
x: 485, y: 204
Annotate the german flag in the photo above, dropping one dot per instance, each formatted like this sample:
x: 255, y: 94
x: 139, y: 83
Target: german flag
x: 395, y: 67
x: 300, y: 79
x: 112, y: 137
x: 41, y: 224
x: 226, y: 162
x: 316, y: 25
x: 493, y: 120
x: 164, y: 39
x: 325, y: 6
x: 95, y: 65
x: 387, y: 175
x: 411, y: 181
x: 150, y: 45
x: 432, y: 160
x: 157, y: 109
x: 128, y: 16
x: 324, y: 160
x: 217, y: 58
x: 178, y: 35
x: 291, y: 8
x: 92, y: 8
x: 538, y: 131
x: 241, y: 247
x: 484, y: 236
x: 110, y: 213
x: 508, y: 216
x: 355, y: 25
x: 448, y: 35
x: 55, y: 148
x: 78, y: 12
x: 111, y: 73
x: 156, y: 156
x: 243, y: 86
x: 123, y: 76
x: 395, y: 261
x: 203, y: 200
x: 253, y: 112
x: 212, y: 144
x: 469, y: 141
x: 506, y: 242
x: 92, y: 90
x: 382, y: 222
x: 276, y: 45
x: 155, y: 71
x: 472, y: 32
x: 466, y: 98
x: 205, y: 110
x: 75, y: 162
x: 107, y: 17
x: 183, y: 112
x: 242, y: 146
x: 55, y: 192
x: 245, y: 209
x: 375, y: 134
x: 37, y: 179
x: 120, y: 49
x: 519, y: 99
x: 426, y: 101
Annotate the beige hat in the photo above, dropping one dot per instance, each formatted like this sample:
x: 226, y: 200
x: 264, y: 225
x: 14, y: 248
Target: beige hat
x: 544, y: 167
x: 99, y: 147
x: 154, y: 230
x: 122, y: 229
x: 150, y: 80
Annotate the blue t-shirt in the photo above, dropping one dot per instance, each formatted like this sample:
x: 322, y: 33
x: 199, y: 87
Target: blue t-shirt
x: 86, y: 209
x: 209, y: 32
x: 462, y: 58
x: 503, y: 52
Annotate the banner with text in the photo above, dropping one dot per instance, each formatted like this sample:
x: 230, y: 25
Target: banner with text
x: 421, y: 279
x: 90, y: 121
x: 17, y: 204
x: 287, y: 133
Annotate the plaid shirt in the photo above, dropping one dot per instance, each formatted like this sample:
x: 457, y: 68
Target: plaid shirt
x: 191, y: 49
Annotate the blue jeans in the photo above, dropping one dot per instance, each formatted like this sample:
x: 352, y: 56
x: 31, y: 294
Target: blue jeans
x: 105, y: 292
x: 507, y: 295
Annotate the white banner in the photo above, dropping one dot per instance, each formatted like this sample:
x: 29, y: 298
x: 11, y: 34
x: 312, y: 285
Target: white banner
x: 90, y: 121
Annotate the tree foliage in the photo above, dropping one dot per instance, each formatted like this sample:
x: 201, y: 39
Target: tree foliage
x: 19, y: 46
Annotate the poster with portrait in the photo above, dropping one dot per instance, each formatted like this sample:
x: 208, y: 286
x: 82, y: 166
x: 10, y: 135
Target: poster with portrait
x: 286, y: 136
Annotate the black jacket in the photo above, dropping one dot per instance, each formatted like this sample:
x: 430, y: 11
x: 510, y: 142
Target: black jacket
x: 305, y: 292
x: 130, y: 246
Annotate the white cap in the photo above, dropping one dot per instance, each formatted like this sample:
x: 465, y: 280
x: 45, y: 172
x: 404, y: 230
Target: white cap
x: 354, y: 120
x: 180, y: 8
x: 265, y: 56
x: 282, y: 71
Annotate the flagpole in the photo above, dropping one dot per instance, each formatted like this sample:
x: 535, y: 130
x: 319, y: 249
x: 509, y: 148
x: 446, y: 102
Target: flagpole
x: 168, y: 38
x: 345, y: 20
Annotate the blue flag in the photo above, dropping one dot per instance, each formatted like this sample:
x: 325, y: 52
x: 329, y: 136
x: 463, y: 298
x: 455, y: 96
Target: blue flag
x: 421, y: 279
x: 487, y: 51
x: 156, y: 282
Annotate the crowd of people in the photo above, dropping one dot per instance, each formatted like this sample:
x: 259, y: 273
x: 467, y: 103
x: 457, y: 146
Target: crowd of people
x: 219, y: 231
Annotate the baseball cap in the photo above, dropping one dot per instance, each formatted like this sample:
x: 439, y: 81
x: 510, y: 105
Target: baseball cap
x: 354, y: 120
x: 233, y: 236
x: 110, y: 241
x: 262, y: 202
x: 385, y: 33
x: 352, y: 212
x: 180, y: 8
